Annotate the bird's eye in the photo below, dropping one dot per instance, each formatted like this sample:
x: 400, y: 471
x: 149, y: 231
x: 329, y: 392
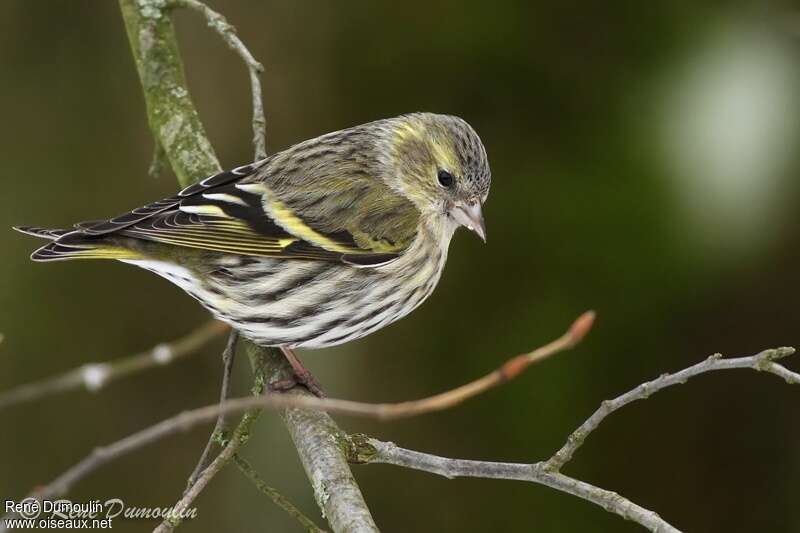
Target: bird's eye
x: 445, y: 179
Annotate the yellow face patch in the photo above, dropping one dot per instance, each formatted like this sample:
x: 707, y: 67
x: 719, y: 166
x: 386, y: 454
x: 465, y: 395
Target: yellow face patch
x: 419, y: 151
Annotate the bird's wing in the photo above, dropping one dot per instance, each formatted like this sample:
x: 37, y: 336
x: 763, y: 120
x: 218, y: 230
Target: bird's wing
x: 238, y: 212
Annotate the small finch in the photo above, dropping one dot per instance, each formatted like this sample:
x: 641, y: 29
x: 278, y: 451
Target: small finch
x: 317, y: 245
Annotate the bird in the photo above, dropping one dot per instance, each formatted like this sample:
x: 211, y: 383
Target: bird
x: 320, y: 244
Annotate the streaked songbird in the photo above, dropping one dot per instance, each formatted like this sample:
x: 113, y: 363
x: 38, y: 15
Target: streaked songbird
x: 320, y: 244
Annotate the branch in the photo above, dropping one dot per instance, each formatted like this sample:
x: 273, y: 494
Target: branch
x: 509, y: 370
x: 316, y: 437
x: 237, y: 440
x: 94, y: 376
x: 221, y: 426
x: 314, y: 432
x: 176, y: 126
x: 375, y: 451
x: 277, y: 498
x: 315, y: 459
x: 362, y: 449
x: 239, y: 437
x: 220, y: 25
x: 763, y: 361
x: 171, y: 114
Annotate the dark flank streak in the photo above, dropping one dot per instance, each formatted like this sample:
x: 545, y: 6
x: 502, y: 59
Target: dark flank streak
x: 292, y: 285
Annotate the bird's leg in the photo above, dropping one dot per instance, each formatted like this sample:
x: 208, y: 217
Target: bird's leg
x: 302, y: 376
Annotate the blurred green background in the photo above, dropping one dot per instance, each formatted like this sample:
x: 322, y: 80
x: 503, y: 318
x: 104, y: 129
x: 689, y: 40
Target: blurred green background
x: 645, y: 161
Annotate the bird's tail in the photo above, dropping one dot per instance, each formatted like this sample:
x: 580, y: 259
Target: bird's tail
x: 74, y: 244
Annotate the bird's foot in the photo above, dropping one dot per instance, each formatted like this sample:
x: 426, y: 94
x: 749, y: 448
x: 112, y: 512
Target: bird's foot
x: 302, y: 376
x: 303, y: 379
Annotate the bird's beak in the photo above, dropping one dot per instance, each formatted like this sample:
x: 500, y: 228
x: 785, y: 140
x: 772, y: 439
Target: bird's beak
x: 471, y: 217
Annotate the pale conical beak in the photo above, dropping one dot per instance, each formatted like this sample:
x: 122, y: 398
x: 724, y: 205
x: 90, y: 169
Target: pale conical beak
x: 471, y: 217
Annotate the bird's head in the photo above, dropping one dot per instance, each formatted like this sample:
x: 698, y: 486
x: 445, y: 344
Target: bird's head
x: 439, y: 163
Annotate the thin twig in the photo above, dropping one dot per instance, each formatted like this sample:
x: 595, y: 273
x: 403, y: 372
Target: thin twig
x: 508, y: 371
x: 231, y: 446
x: 94, y: 376
x: 239, y: 437
x: 764, y: 361
x: 375, y: 451
x: 277, y: 498
x: 220, y: 427
x: 188, y: 419
x: 219, y: 24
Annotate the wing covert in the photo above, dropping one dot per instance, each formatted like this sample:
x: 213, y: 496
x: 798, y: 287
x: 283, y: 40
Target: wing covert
x: 253, y: 210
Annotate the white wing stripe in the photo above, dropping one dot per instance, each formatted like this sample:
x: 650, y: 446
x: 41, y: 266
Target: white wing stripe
x: 224, y: 197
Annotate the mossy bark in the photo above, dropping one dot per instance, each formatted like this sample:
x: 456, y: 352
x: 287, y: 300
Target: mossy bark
x: 172, y: 116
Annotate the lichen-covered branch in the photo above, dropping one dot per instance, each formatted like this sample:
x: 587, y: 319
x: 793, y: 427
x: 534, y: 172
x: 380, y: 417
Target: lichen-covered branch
x: 219, y: 24
x: 316, y: 437
x: 177, y: 127
x: 171, y: 114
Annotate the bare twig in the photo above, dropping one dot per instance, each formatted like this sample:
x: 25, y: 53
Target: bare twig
x: 363, y: 449
x: 764, y: 361
x: 308, y: 426
x: 374, y: 451
x: 230, y: 446
x: 239, y: 437
x: 445, y: 400
x: 387, y: 411
x: 94, y: 376
x: 277, y: 498
x: 220, y: 427
x: 219, y: 24
x: 505, y: 373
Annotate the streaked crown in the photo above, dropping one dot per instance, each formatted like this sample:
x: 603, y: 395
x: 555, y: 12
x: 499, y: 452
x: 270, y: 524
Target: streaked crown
x: 437, y: 160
